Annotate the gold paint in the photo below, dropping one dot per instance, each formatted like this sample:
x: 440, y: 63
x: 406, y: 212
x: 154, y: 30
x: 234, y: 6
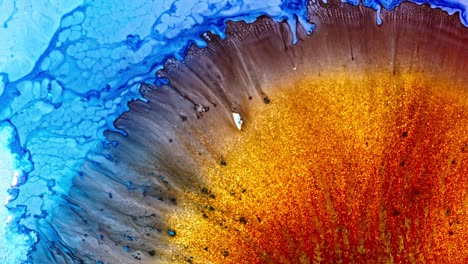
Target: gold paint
x: 340, y: 168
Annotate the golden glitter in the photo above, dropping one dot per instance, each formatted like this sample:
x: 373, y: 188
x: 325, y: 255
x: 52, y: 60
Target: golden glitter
x: 340, y: 168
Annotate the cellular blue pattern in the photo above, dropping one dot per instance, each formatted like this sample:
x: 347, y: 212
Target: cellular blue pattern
x: 67, y: 72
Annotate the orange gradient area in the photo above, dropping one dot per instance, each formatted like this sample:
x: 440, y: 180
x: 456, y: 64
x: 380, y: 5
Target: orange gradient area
x: 340, y: 168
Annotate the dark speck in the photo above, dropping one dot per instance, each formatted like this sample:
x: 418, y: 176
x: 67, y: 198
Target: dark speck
x: 223, y: 162
x: 404, y: 134
x: 243, y: 221
x: 396, y: 213
x: 451, y: 233
x: 266, y: 100
x: 453, y: 162
x: 151, y: 252
x: 225, y: 253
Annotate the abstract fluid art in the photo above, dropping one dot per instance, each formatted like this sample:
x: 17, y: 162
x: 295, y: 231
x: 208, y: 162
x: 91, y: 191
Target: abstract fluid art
x: 234, y: 131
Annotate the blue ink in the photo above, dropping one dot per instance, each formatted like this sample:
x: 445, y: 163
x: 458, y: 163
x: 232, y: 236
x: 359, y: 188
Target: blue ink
x: 61, y: 89
x: 171, y: 232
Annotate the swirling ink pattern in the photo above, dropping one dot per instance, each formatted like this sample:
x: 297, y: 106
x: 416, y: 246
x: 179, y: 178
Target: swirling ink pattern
x: 219, y: 131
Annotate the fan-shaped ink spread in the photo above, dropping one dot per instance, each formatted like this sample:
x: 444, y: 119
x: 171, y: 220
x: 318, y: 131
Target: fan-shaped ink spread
x: 289, y: 132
